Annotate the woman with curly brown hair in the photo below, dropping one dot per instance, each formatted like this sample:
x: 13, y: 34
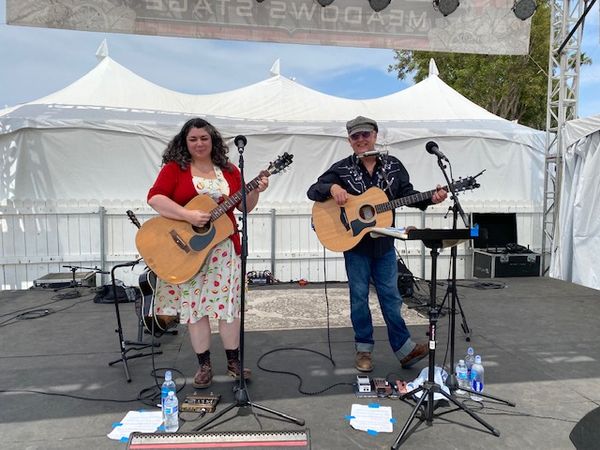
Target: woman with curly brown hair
x: 195, y: 162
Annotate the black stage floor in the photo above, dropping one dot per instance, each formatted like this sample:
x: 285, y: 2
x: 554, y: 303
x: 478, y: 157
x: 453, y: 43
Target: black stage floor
x: 538, y: 338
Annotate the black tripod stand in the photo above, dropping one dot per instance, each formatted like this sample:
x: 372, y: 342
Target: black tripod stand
x: 126, y: 346
x: 430, y: 387
x: 452, y: 294
x: 242, y: 399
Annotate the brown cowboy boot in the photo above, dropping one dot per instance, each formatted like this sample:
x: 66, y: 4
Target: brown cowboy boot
x: 203, y: 377
x: 234, y: 365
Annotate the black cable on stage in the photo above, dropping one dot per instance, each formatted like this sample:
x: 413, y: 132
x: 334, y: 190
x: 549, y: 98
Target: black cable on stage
x: 54, y: 300
x: 298, y: 377
x: 37, y: 313
x: 328, y: 357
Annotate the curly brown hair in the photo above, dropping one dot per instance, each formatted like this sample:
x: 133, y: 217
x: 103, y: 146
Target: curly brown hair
x: 177, y: 149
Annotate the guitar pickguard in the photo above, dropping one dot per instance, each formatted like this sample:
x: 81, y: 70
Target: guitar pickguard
x: 358, y: 226
x: 200, y: 241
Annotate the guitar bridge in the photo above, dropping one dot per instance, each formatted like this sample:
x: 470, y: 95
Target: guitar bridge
x: 182, y: 245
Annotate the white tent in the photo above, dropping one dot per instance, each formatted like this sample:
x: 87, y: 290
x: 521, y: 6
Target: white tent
x: 102, y: 136
x: 576, y: 257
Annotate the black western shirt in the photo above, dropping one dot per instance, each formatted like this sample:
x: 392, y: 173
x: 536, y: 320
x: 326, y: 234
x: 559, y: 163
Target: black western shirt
x: 389, y: 174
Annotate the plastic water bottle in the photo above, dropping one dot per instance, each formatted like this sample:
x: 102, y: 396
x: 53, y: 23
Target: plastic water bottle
x: 462, y: 377
x: 477, y: 379
x: 469, y: 360
x: 171, y: 413
x: 167, y: 386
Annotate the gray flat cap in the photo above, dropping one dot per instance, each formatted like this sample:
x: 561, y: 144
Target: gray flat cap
x: 361, y: 123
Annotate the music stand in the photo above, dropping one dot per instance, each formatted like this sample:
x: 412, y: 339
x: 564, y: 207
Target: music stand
x: 126, y: 346
x: 242, y: 399
x: 434, y: 240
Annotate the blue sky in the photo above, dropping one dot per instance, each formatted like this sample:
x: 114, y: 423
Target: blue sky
x: 37, y: 62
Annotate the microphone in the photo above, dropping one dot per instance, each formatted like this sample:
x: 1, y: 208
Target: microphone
x: 372, y: 153
x: 432, y: 148
x: 240, y: 141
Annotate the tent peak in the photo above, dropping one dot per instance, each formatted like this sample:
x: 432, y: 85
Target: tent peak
x: 275, y: 68
x: 433, y: 69
x: 102, y: 51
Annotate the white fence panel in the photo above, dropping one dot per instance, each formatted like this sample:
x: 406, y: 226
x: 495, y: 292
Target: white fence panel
x: 41, y: 239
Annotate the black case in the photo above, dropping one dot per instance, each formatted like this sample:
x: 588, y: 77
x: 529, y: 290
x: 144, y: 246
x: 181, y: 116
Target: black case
x: 497, y: 253
x: 497, y: 265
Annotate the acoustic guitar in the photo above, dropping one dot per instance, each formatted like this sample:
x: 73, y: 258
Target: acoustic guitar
x: 175, y: 250
x: 153, y: 323
x: 340, y: 228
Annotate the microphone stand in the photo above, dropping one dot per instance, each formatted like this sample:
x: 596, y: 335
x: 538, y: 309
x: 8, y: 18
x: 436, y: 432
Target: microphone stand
x: 242, y: 399
x: 452, y: 381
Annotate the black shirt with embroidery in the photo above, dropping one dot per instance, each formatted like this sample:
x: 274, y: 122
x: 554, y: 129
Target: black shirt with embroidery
x: 389, y: 174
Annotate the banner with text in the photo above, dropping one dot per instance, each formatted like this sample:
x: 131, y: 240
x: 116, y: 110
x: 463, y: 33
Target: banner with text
x: 477, y: 26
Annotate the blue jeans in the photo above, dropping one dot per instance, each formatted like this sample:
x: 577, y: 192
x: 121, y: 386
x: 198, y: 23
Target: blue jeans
x: 384, y: 271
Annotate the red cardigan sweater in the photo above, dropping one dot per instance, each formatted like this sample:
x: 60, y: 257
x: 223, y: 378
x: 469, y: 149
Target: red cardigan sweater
x: 178, y: 186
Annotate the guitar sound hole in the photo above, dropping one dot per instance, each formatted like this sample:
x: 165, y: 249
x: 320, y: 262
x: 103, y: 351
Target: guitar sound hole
x: 366, y: 212
x: 201, y: 230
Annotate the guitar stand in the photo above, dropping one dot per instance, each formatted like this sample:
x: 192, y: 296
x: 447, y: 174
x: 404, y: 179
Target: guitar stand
x: 430, y: 387
x: 127, y: 346
x: 242, y: 399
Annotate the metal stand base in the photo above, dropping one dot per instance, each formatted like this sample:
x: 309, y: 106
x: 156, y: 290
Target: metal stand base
x: 242, y: 401
x: 429, y: 389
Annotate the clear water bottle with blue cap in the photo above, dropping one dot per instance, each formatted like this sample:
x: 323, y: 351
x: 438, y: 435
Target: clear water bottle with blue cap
x: 477, y: 379
x: 462, y: 377
x: 469, y: 360
x: 167, y: 386
x: 171, y: 413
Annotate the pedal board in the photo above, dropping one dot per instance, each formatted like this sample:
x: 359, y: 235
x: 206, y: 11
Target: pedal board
x: 366, y: 387
x: 200, y: 403
x: 382, y: 387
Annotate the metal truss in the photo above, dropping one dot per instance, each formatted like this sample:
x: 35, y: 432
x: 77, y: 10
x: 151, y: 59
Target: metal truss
x: 563, y: 91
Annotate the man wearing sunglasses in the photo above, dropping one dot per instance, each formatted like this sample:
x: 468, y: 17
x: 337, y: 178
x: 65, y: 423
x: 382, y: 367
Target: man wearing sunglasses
x: 372, y: 258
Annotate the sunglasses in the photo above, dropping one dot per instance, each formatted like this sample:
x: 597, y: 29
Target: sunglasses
x: 360, y: 134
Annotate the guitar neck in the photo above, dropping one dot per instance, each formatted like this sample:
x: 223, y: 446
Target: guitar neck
x: 235, y: 198
x: 409, y: 200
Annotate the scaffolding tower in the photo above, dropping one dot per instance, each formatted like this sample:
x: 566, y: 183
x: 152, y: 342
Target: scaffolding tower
x: 566, y: 34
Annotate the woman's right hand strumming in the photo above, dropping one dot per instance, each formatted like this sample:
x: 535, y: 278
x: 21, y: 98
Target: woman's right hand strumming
x: 197, y: 218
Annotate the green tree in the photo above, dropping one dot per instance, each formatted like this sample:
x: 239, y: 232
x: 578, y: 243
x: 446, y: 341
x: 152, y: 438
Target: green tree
x: 513, y: 87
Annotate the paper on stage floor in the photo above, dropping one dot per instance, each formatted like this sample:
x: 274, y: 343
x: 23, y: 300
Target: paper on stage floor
x: 142, y: 421
x: 372, y: 418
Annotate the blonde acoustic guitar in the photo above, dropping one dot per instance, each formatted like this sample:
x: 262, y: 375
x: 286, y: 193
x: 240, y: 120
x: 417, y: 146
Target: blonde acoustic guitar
x: 340, y: 228
x: 175, y: 250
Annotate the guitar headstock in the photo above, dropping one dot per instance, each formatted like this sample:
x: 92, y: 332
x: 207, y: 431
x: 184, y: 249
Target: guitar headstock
x: 466, y: 184
x: 280, y: 163
x: 133, y: 218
